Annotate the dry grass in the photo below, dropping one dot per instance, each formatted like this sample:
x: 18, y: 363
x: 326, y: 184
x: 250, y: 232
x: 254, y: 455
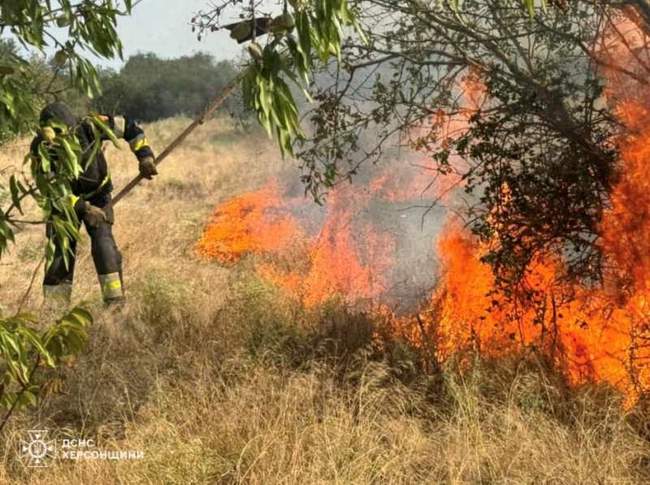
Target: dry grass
x: 218, y: 379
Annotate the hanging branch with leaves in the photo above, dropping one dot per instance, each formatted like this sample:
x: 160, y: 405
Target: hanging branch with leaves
x: 307, y: 32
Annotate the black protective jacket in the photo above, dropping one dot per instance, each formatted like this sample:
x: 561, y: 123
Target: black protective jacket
x: 94, y: 184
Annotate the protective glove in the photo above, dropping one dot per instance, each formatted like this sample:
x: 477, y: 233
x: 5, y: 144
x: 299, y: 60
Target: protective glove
x: 93, y: 216
x: 147, y: 168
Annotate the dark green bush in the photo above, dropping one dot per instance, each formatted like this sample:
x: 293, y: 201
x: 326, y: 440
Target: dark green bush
x: 149, y: 88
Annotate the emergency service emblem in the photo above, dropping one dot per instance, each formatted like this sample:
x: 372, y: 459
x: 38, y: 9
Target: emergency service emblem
x: 37, y: 450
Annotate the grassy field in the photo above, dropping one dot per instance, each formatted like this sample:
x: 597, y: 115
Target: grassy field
x: 218, y: 378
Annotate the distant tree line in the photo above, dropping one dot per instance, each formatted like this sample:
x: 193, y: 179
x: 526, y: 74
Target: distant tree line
x: 149, y: 88
x: 146, y: 88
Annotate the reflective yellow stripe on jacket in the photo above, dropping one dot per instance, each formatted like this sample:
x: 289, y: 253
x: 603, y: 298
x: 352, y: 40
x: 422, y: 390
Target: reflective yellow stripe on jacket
x: 138, y: 143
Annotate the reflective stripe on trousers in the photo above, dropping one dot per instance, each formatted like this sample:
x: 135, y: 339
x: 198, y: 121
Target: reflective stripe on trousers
x: 111, y: 285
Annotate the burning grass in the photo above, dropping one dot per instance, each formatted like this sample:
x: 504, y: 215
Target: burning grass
x: 592, y: 333
x: 256, y: 222
x: 588, y: 332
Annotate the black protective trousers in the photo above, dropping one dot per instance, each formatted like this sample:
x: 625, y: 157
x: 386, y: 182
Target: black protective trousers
x: 106, y: 255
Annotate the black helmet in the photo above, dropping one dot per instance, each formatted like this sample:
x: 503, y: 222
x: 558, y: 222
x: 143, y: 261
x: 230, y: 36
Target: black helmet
x: 58, y: 112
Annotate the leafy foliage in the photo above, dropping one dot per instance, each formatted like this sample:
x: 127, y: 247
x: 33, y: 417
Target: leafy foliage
x: 48, y: 182
x: 24, y: 349
x: 307, y: 32
x: 41, y: 80
x: 89, y: 26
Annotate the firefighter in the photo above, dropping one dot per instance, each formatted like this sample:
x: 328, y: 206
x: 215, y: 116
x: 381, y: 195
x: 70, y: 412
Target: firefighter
x: 92, y: 203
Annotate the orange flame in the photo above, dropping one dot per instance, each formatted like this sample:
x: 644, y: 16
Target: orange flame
x: 593, y: 333
x: 347, y: 258
x: 350, y: 265
x: 256, y: 222
x: 580, y: 328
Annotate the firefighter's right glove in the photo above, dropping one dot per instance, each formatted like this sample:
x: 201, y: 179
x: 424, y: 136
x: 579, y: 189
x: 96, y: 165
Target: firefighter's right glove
x: 147, y: 168
x: 93, y: 216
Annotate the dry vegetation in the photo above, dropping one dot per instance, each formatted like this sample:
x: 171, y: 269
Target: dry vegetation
x: 218, y: 379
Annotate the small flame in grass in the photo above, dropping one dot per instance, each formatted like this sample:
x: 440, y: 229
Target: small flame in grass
x: 341, y: 263
x: 256, y: 222
x: 345, y: 258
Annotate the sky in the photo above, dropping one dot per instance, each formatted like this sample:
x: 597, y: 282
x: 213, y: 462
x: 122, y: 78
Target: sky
x: 163, y: 27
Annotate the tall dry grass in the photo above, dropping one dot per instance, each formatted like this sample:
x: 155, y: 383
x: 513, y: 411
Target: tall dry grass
x: 218, y: 378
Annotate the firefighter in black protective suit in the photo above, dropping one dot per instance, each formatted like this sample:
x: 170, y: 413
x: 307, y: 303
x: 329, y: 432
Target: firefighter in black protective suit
x: 92, y: 203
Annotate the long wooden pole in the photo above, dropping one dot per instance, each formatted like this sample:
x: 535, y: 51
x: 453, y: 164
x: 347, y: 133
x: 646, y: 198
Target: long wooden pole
x: 213, y: 106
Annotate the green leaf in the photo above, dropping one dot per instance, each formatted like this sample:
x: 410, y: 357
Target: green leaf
x: 96, y: 121
x: 71, y: 159
x: 16, y: 193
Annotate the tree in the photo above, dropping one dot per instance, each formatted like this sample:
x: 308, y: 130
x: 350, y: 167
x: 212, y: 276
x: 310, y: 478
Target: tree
x: 148, y: 88
x: 89, y: 26
x: 536, y: 155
